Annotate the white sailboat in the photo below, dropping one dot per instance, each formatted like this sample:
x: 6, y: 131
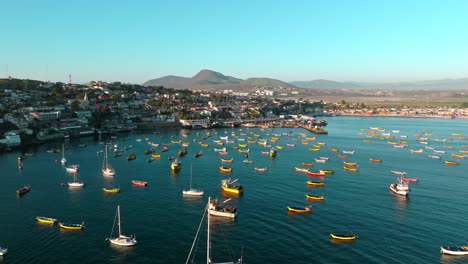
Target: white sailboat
x: 75, y: 182
x: 191, y: 191
x: 63, y: 160
x: 106, y: 167
x: 121, y: 240
x: 208, y: 241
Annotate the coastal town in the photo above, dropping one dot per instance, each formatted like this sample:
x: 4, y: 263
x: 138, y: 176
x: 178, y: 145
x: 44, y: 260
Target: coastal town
x: 32, y: 112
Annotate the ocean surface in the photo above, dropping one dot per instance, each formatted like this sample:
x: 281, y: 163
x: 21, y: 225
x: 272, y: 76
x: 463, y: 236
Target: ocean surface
x: 390, y: 228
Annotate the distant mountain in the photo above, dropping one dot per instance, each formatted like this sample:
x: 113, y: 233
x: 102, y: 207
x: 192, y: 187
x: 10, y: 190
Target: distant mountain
x: 211, y: 80
x: 259, y: 82
x: 212, y: 77
x: 204, y: 77
x: 324, y: 84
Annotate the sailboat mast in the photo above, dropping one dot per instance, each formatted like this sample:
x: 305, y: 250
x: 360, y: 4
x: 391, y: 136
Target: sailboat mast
x: 208, y: 260
x: 191, y: 176
x: 118, y: 216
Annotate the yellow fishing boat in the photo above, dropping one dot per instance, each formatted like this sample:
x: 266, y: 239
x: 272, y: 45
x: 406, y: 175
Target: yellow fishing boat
x: 328, y: 171
x: 156, y: 156
x: 449, y: 162
x: 350, y: 164
x: 111, y: 190
x: 375, y: 160
x: 46, y: 220
x: 225, y: 169
x: 350, y: 169
x: 71, y: 226
x: 343, y: 237
x: 458, y: 156
x: 230, y: 186
x: 314, y: 197
x: 333, y: 149
x: 315, y: 183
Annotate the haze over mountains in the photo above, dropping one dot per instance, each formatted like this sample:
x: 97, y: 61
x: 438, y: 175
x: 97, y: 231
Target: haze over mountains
x: 212, y: 80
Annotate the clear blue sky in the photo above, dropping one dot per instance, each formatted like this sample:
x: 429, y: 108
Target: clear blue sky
x: 134, y: 41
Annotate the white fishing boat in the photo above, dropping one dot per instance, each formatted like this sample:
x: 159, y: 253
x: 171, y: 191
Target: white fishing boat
x: 418, y: 151
x: 320, y: 160
x: 191, y: 191
x: 216, y: 209
x: 454, y: 250
x: 398, y: 172
x: 106, y: 167
x: 400, y: 188
x: 63, y: 160
x: 121, y: 240
x: 434, y: 156
x: 351, y: 152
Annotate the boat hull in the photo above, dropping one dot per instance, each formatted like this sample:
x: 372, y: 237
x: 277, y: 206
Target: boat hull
x: 455, y: 251
x: 343, y: 237
x: 123, y: 241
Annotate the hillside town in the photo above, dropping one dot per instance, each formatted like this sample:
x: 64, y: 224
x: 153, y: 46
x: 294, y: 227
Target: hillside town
x: 33, y: 112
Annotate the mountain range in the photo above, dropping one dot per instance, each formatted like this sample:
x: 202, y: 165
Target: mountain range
x: 212, y: 80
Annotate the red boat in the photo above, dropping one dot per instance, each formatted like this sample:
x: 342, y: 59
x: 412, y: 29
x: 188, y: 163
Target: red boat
x: 139, y: 183
x: 408, y: 179
x: 316, y: 174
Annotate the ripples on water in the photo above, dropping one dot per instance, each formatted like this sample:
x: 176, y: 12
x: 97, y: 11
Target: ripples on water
x: 390, y: 229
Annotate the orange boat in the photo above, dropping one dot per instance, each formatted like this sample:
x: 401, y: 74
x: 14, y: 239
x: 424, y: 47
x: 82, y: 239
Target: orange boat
x: 375, y: 160
x: 139, y: 183
x: 307, y: 164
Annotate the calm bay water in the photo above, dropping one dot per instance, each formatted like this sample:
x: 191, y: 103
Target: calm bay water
x: 390, y: 229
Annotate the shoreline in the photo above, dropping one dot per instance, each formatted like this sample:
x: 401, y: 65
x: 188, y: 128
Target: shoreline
x: 401, y: 116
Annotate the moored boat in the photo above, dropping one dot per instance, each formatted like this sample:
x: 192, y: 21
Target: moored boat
x: 46, y: 220
x: 139, y: 183
x: 301, y: 169
x: 375, y: 160
x: 198, y: 154
x: 225, y: 169
x: 350, y: 164
x: 231, y: 186
x: 454, y: 250
x: 315, y: 183
x: 400, y: 188
x: 398, y: 172
x: 71, y: 226
x: 409, y: 179
x: 273, y: 153
x: 458, y: 156
x: 23, y: 190
x: 299, y: 209
x: 450, y: 162
x: 316, y: 174
x: 343, y: 236
x: 307, y: 164
x: 315, y: 197
x: 72, y: 168
x: 111, y: 190
x: 328, y: 171
x: 176, y: 165
x: 260, y: 169
x: 120, y: 240
x: 352, y: 169
x: 216, y: 209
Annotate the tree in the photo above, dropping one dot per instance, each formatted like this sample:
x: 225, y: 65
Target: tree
x: 75, y: 105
